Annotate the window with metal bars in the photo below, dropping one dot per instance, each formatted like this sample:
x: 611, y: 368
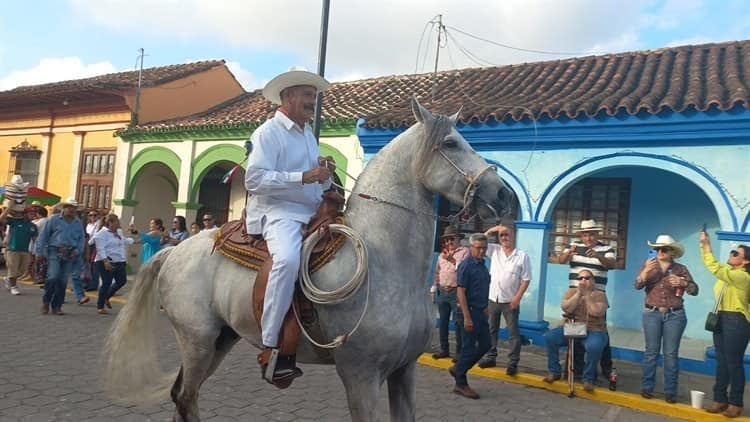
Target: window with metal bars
x: 607, y: 201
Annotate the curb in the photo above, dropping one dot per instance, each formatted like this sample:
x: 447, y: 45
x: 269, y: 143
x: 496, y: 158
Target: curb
x: 604, y: 395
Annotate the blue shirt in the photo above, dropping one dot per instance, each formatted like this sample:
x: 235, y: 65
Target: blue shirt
x: 59, y: 233
x: 475, y: 278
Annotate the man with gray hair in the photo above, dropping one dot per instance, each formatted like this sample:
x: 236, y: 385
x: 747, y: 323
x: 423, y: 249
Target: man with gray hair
x: 473, y: 291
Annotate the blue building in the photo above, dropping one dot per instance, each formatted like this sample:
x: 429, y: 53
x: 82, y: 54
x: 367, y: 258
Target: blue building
x: 645, y: 143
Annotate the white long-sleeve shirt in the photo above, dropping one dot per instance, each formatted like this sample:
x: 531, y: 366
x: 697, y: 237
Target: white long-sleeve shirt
x: 281, y: 152
x: 110, y: 246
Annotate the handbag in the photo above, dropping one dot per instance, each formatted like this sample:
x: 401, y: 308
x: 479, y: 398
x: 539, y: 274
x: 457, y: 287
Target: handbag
x: 574, y: 329
x: 712, y: 319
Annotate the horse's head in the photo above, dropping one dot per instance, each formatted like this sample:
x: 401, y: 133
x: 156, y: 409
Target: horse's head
x: 446, y: 164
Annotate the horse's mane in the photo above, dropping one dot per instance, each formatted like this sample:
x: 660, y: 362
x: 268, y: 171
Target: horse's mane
x: 434, y: 130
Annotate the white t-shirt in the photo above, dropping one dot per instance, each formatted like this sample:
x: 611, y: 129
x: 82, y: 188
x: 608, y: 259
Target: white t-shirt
x: 506, y: 272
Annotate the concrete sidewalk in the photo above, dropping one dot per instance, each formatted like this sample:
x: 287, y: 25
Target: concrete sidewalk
x: 533, y: 367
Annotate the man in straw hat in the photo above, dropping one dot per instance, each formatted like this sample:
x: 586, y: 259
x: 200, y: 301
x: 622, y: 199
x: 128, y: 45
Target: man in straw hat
x: 61, y: 244
x: 597, y: 257
x: 445, y: 283
x: 286, y: 177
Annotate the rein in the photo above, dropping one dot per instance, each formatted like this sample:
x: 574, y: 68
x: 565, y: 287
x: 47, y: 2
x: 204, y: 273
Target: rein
x: 469, y: 193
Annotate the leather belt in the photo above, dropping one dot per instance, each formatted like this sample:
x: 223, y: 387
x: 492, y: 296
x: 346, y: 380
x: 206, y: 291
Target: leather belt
x: 663, y: 309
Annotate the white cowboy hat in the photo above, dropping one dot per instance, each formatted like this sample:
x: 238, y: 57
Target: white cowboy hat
x: 665, y: 240
x: 589, y: 226
x: 70, y: 201
x: 294, y: 77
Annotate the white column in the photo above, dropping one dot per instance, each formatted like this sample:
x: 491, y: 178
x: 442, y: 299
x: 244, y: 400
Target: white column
x: 75, y: 167
x: 44, y: 160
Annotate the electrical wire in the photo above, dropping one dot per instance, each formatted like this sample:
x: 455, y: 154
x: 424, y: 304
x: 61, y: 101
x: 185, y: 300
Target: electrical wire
x: 528, y: 50
x: 421, y: 38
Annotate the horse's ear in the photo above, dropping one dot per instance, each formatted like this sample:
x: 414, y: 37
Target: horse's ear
x: 420, y: 113
x: 455, y: 116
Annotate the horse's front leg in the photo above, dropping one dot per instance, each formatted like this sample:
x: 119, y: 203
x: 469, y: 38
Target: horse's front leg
x: 402, y: 393
x: 362, y: 386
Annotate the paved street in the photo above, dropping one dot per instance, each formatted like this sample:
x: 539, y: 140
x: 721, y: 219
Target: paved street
x: 48, y: 373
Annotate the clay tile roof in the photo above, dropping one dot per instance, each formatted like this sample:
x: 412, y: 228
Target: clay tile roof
x: 103, y: 84
x: 703, y: 76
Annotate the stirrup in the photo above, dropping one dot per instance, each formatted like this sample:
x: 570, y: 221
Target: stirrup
x: 281, y: 376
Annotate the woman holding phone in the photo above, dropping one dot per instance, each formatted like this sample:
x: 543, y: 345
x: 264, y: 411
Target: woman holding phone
x: 664, y: 318
x: 732, y: 289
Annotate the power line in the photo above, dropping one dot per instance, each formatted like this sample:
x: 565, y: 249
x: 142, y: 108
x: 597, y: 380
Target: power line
x: 528, y: 50
x: 421, y: 38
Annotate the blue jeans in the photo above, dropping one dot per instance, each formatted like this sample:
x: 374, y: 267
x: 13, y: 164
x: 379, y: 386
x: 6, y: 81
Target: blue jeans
x: 446, y: 304
x: 662, y: 330
x: 75, y: 275
x: 730, y: 340
x: 107, y: 290
x: 58, y: 271
x: 593, y: 343
x: 475, y: 344
x: 514, y: 336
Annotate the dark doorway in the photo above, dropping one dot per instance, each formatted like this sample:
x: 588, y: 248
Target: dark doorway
x: 214, y: 195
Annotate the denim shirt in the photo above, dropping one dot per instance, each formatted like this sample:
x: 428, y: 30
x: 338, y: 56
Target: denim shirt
x: 475, y: 278
x: 58, y: 233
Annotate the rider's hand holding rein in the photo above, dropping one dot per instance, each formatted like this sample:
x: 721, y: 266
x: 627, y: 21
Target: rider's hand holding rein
x: 321, y: 173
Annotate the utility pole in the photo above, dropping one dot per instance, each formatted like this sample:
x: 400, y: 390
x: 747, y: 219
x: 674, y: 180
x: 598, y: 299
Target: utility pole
x: 321, y: 66
x: 437, y: 56
x: 134, y: 120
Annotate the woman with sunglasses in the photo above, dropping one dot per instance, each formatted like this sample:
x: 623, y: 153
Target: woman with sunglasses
x: 178, y: 232
x: 733, y: 331
x: 664, y: 318
x: 110, y: 259
x: 581, y: 304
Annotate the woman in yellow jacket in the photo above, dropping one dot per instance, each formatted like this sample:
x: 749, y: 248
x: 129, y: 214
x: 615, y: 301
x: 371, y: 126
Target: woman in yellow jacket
x: 733, y: 332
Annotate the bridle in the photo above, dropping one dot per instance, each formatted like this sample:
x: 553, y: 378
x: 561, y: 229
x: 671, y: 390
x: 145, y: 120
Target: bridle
x: 469, y: 194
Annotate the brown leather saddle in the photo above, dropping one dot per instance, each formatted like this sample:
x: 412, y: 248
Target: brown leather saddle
x: 232, y: 241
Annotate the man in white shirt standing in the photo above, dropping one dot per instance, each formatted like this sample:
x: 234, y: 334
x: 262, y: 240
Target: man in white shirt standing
x: 286, y: 178
x: 510, y: 275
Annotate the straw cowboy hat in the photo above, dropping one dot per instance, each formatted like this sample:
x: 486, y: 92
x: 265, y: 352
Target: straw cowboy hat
x: 294, y: 77
x: 667, y: 241
x: 451, y: 232
x: 69, y: 202
x: 589, y: 226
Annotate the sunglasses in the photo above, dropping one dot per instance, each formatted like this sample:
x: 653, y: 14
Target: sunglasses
x: 734, y: 253
x: 208, y: 219
x: 93, y: 215
x: 663, y: 249
x: 175, y: 222
x: 584, y: 277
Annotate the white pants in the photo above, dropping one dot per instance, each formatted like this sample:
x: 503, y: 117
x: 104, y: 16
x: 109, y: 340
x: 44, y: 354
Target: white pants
x: 284, y: 240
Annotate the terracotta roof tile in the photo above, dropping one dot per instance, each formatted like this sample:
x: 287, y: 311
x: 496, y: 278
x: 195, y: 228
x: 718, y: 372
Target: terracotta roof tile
x: 103, y: 83
x: 676, y: 78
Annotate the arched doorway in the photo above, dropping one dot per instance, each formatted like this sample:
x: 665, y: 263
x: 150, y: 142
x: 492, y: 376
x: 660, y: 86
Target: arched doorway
x: 214, y: 195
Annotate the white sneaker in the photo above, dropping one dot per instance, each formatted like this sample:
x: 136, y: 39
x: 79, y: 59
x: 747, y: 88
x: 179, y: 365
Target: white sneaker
x: 14, y: 291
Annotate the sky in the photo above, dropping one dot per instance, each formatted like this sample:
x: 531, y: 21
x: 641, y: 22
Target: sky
x: 52, y: 40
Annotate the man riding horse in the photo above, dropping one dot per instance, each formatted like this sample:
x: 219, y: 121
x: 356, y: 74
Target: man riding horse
x: 286, y: 177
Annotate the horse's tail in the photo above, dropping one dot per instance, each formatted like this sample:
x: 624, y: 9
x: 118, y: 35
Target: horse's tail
x: 130, y: 370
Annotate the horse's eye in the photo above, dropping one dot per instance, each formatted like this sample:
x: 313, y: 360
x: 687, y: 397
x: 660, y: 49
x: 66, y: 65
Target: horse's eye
x: 450, y: 143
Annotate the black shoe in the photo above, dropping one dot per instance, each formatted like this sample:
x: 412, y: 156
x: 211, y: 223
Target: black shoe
x: 440, y: 355
x: 647, y: 394
x: 511, y: 370
x: 670, y: 398
x: 486, y: 363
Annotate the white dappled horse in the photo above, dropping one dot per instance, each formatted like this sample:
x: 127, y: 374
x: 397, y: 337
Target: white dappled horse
x: 207, y: 297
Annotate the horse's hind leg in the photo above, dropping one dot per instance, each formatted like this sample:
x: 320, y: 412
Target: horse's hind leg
x: 198, y: 351
x: 185, y: 388
x: 402, y: 393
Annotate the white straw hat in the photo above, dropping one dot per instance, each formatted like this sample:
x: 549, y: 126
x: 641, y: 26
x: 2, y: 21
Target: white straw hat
x: 294, y: 77
x: 667, y: 241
